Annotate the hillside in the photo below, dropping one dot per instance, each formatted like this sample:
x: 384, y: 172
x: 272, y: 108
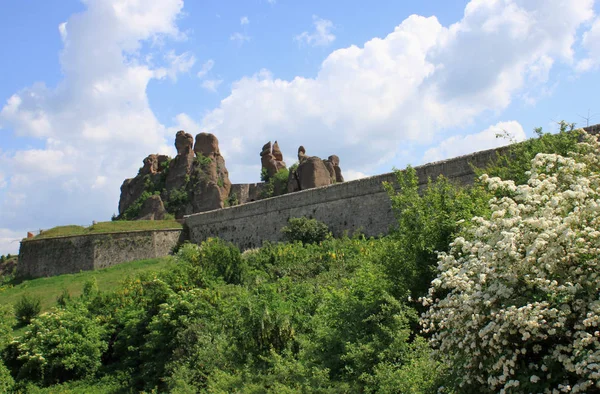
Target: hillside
x: 48, y: 289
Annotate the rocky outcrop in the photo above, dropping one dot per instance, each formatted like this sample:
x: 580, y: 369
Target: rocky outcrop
x: 150, y: 173
x: 196, y: 180
x: 179, y: 167
x: 335, y: 163
x: 152, y: 209
x: 271, y: 159
x: 314, y: 172
x: 209, y: 184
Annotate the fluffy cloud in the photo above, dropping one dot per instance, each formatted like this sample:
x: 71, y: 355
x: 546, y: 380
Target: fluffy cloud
x: 366, y: 102
x: 177, y: 64
x: 95, y: 126
x: 321, y: 36
x: 244, y: 20
x: 591, y: 42
x: 501, y: 134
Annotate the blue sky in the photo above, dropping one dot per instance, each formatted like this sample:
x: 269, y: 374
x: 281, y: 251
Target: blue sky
x: 92, y: 87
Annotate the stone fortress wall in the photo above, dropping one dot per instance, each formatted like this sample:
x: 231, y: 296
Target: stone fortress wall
x: 71, y: 254
x: 360, y: 205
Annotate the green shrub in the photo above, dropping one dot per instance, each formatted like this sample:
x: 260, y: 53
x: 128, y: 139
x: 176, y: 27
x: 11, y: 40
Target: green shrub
x: 222, y: 259
x: 61, y: 345
x: 428, y: 221
x: 203, y: 161
x: 264, y: 175
x: 514, y: 164
x: 6, y: 380
x: 307, y: 231
x: 132, y: 212
x: 64, y: 298
x: 27, y: 308
x: 275, y: 185
x: 232, y: 200
x: 178, y: 198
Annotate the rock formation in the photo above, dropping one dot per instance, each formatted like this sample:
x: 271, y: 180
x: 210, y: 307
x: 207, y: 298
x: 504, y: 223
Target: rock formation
x: 335, y: 162
x: 196, y: 180
x: 179, y: 168
x: 152, y: 209
x: 150, y: 173
x: 209, y: 184
x: 271, y: 158
x: 314, y: 172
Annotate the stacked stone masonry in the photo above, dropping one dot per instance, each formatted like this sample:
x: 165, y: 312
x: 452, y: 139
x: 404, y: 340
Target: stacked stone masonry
x: 67, y: 255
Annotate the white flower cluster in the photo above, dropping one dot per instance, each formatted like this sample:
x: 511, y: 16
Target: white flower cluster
x: 516, y: 304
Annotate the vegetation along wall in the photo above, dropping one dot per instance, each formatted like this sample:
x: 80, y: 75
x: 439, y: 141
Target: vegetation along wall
x: 71, y: 254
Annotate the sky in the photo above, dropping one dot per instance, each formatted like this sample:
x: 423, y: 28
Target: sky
x: 91, y: 87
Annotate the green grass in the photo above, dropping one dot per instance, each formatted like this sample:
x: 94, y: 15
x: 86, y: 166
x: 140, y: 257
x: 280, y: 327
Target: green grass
x: 110, y: 227
x: 48, y: 289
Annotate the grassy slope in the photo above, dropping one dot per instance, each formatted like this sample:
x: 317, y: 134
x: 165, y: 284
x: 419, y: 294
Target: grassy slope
x: 110, y: 227
x: 50, y: 288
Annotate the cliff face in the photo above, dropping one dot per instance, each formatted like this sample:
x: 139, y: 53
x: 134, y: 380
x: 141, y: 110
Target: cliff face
x: 196, y: 180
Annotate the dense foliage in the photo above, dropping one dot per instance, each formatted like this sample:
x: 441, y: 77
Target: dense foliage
x: 27, y: 308
x: 515, y: 300
x: 305, y: 230
x: 275, y: 185
x: 519, y: 308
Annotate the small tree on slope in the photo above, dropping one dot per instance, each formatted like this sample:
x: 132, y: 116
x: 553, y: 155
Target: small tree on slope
x: 515, y: 306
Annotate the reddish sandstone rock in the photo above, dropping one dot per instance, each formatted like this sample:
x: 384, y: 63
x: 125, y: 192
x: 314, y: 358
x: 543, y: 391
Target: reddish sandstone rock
x: 181, y: 165
x: 152, y: 209
x: 271, y: 159
x: 314, y: 172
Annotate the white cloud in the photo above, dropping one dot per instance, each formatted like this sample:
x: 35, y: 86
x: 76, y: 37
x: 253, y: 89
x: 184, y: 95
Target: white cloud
x: 177, y: 64
x: 206, y: 67
x: 591, y: 42
x: 244, y: 20
x: 96, y: 126
x: 501, y: 134
x: 350, y: 175
x: 271, y: 1
x: 62, y: 29
x: 367, y: 102
x: 321, y: 36
x: 239, y: 37
x: 211, y: 84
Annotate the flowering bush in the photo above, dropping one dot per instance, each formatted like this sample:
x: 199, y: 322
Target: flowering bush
x: 61, y: 345
x: 515, y: 306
